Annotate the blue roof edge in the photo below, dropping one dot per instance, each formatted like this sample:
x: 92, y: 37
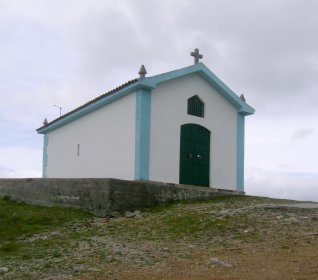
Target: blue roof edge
x: 211, y: 78
x: 91, y: 107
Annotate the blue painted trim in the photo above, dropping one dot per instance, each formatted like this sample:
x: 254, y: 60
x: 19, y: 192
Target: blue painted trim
x: 142, y: 138
x: 45, y: 155
x: 240, y: 152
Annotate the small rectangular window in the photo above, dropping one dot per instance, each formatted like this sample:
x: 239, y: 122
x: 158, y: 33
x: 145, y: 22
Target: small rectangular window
x: 78, y: 150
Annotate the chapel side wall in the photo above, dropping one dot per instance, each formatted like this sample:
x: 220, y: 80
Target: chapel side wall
x: 107, y: 144
x: 169, y: 112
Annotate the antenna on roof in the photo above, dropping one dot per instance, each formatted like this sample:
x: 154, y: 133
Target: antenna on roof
x: 59, y: 108
x: 45, y: 122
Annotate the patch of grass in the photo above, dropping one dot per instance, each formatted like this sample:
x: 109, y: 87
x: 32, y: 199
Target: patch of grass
x: 285, y: 247
x: 6, y: 198
x: 18, y: 220
x: 9, y: 247
x: 76, y: 235
x: 194, y: 224
x: 192, y: 221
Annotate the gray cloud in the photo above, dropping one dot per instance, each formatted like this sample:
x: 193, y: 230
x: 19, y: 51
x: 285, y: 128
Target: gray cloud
x: 302, y: 133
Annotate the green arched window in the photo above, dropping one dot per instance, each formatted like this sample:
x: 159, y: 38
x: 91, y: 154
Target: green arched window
x: 195, y: 106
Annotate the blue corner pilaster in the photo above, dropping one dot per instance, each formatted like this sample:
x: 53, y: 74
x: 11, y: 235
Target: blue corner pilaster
x: 240, y: 152
x: 45, y: 156
x: 142, y: 139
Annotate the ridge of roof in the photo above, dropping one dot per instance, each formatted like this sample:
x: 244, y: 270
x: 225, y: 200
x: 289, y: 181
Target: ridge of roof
x: 111, y: 92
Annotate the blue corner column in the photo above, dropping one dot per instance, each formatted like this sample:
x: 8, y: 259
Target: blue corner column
x: 45, y: 156
x: 240, y: 152
x: 142, y: 139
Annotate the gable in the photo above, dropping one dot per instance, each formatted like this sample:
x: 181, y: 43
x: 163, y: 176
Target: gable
x: 171, y: 99
x: 210, y: 77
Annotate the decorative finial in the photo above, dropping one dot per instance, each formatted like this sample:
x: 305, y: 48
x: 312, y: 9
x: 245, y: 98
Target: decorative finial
x: 142, y: 72
x: 243, y: 97
x: 45, y: 122
x: 196, y: 55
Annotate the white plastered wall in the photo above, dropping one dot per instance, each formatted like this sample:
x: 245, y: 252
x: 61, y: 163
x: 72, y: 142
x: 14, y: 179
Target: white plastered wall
x: 107, y: 144
x: 169, y: 112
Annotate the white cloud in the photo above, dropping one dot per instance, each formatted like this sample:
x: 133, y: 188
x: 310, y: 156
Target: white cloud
x: 20, y: 162
x: 296, y: 186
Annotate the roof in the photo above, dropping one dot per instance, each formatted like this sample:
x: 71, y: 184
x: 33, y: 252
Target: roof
x: 150, y: 83
x: 95, y: 100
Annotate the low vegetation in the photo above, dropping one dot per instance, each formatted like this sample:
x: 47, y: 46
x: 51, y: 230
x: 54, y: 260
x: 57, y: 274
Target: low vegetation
x: 258, y: 238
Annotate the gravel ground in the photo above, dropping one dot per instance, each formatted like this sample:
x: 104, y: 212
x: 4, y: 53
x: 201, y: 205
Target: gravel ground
x: 228, y: 238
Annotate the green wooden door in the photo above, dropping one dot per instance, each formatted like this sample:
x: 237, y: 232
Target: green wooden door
x: 194, y: 155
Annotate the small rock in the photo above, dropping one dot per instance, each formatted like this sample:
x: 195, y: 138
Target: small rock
x: 216, y: 262
x: 130, y: 214
x: 4, y: 269
x: 115, y: 214
x: 291, y: 220
x: 138, y: 216
x: 80, y: 268
x: 92, y: 269
x: 135, y: 214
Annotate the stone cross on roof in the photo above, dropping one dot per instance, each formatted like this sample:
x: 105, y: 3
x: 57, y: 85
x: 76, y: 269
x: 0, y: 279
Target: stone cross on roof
x: 196, y: 55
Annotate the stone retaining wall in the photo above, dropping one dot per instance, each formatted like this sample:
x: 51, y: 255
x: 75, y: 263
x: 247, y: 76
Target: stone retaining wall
x: 103, y: 196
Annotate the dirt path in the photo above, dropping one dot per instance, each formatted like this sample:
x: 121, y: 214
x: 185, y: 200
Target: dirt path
x: 247, y: 263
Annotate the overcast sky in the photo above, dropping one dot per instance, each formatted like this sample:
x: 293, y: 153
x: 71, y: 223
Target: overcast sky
x: 66, y: 52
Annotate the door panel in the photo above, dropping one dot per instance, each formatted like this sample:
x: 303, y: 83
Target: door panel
x: 194, y: 155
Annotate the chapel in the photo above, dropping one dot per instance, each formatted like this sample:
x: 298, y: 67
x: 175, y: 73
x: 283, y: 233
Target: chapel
x: 183, y: 127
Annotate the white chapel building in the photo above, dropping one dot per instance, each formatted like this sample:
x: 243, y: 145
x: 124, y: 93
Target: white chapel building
x: 184, y: 127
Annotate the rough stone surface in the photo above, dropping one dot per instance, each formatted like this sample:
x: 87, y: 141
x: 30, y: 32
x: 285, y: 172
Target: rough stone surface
x: 4, y: 269
x: 103, y: 196
x: 134, y: 214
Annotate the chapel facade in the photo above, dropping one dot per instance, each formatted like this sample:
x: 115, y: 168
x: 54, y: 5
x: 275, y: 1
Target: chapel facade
x: 184, y: 127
